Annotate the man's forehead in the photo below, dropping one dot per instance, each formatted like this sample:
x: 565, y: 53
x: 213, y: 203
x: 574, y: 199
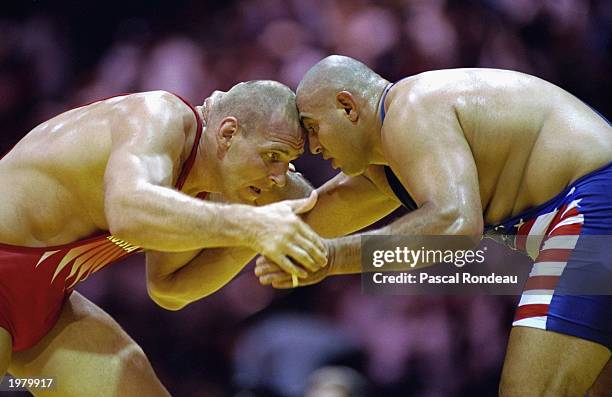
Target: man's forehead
x: 294, y: 137
x: 310, y: 109
x: 309, y: 96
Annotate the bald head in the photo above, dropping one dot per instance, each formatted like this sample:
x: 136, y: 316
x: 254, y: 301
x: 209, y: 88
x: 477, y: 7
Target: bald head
x: 338, y: 103
x: 260, y: 104
x: 338, y: 73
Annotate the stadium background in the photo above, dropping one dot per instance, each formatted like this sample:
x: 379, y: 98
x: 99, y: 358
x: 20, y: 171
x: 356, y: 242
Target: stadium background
x: 247, y: 340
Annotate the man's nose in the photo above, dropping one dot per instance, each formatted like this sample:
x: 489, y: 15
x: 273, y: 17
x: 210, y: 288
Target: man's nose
x: 278, y: 176
x: 313, y: 143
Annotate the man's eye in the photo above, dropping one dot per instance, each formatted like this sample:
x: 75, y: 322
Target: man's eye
x: 273, y: 156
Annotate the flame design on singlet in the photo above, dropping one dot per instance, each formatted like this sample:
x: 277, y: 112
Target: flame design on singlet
x: 86, y: 259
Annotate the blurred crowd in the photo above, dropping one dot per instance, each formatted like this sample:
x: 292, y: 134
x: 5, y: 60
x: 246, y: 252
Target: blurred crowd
x: 330, y: 339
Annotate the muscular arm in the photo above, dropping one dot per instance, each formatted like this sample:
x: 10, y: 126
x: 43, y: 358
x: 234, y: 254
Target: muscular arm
x: 141, y: 206
x: 347, y: 204
x: 176, y: 279
x: 426, y: 148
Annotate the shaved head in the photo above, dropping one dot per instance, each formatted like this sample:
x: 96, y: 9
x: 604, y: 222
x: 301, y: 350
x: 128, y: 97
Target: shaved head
x: 338, y: 73
x: 261, y: 104
x: 256, y: 132
x: 338, y: 104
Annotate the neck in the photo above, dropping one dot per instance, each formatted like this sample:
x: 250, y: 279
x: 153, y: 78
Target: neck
x: 374, y: 126
x: 203, y: 176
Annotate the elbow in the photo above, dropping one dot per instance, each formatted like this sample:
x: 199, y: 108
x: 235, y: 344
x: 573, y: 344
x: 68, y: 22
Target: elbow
x: 121, y: 220
x: 126, y: 234
x: 163, y: 298
x: 470, y: 229
x: 465, y: 225
x: 458, y: 221
x: 121, y: 230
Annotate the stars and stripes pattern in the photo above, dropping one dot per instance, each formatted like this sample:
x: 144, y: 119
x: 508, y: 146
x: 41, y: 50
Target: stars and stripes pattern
x: 550, y: 239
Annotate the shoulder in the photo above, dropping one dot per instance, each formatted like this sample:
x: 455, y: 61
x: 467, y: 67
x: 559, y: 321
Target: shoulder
x: 426, y: 99
x: 158, y: 118
x: 430, y: 88
x: 158, y: 106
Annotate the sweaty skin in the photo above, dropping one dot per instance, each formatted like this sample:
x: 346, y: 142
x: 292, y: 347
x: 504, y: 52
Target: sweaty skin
x: 112, y: 166
x: 472, y: 147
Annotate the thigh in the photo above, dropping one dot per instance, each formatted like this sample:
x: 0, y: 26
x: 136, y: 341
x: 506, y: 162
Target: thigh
x: 6, y: 349
x: 603, y: 384
x: 89, y: 355
x: 545, y: 363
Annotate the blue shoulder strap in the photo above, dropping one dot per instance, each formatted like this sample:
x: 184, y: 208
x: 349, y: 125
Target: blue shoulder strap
x: 382, y: 101
x: 398, y: 189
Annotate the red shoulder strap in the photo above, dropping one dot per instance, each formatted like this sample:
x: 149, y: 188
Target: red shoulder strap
x: 194, y: 150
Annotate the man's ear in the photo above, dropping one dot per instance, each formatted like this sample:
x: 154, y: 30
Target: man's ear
x: 226, y: 132
x: 346, y: 101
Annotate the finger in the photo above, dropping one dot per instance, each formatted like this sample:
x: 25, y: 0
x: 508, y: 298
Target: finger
x: 285, y: 263
x: 318, y: 250
x: 274, y: 278
x: 261, y: 259
x: 282, y: 284
x: 313, y: 249
x: 301, y: 206
x: 302, y: 257
x: 266, y: 268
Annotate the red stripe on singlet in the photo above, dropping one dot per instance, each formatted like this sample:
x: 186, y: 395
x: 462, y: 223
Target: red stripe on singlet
x: 534, y: 310
x: 555, y: 255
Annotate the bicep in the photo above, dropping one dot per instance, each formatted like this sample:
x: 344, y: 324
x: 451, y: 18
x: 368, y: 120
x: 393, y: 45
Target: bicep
x: 433, y: 160
x: 347, y: 204
x: 145, y: 147
x: 127, y: 168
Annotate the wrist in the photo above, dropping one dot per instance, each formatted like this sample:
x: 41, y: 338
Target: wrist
x: 344, y: 255
x: 236, y: 225
x: 331, y: 258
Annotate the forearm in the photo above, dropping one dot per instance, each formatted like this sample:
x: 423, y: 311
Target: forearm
x: 205, y: 274
x: 347, y: 204
x: 163, y: 219
x: 423, y: 222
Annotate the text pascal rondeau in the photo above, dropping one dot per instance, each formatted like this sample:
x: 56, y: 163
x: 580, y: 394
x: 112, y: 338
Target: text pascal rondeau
x: 456, y: 278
